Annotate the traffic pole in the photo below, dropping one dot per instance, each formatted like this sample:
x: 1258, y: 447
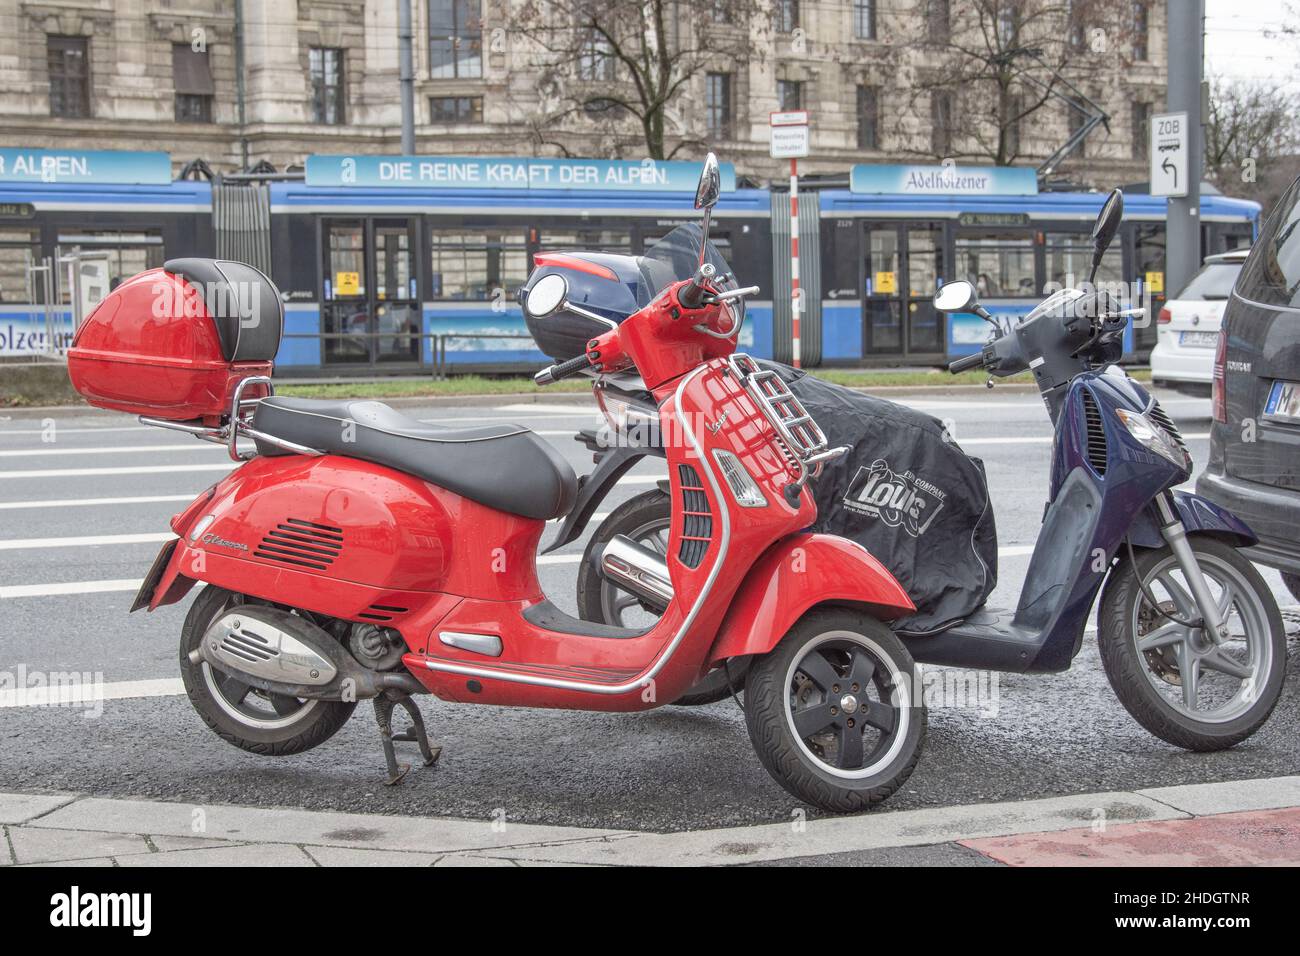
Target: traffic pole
x: 794, y: 260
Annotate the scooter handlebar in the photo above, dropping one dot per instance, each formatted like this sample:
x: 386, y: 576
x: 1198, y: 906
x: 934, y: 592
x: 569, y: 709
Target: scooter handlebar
x: 967, y: 362
x: 553, y: 373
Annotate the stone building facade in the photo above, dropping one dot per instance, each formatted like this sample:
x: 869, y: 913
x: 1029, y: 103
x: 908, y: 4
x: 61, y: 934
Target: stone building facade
x: 237, y: 83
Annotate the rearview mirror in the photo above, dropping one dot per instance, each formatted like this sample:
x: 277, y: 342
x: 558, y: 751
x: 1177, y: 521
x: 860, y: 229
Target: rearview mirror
x: 1107, y: 224
x: 710, y: 186
x: 956, y: 296
x: 547, y: 296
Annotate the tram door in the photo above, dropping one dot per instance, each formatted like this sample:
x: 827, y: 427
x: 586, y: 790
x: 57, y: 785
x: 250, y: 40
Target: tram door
x: 902, y: 265
x: 370, y: 310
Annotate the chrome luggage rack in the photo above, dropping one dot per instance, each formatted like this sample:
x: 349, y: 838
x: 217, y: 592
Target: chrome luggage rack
x: 800, y: 436
x: 239, y: 422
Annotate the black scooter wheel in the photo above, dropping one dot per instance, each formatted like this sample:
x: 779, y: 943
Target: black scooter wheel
x: 833, y: 711
x: 271, y: 725
x: 1234, y: 683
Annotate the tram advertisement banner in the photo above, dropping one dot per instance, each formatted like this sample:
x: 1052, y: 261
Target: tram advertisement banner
x: 505, y: 172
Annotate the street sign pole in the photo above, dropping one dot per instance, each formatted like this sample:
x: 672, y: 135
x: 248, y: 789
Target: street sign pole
x: 1183, y: 224
x: 790, y: 137
x: 794, y: 262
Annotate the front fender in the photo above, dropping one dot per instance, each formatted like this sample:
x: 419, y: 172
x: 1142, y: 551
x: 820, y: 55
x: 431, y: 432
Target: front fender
x: 1199, y: 516
x: 795, y: 575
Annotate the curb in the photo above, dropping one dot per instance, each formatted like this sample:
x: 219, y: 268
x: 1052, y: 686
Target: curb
x: 80, y: 824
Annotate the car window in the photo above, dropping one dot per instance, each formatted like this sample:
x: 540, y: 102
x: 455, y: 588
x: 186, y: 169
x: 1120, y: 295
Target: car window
x: 1214, y: 281
x: 1271, y: 274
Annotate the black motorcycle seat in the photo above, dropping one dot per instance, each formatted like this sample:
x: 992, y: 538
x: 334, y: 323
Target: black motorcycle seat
x: 507, y: 467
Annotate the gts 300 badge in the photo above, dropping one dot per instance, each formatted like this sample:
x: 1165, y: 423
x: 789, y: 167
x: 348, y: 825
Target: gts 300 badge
x: 895, y: 499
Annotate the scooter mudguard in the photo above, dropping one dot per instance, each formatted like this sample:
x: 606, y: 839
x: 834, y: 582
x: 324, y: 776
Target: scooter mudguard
x: 613, y: 465
x: 165, y: 584
x: 797, y: 574
x: 1199, y: 516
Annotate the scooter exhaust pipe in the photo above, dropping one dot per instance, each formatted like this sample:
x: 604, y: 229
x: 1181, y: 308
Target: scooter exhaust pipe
x: 637, y: 569
x: 282, y: 653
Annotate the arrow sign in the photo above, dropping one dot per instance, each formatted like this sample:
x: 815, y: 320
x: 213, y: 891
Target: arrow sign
x: 1169, y: 150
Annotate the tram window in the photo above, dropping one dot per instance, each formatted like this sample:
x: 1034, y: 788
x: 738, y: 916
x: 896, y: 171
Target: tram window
x: 590, y: 240
x: 998, y: 265
x: 18, y: 252
x: 477, y: 266
x: 126, y: 253
x: 1069, y: 261
x: 345, y: 253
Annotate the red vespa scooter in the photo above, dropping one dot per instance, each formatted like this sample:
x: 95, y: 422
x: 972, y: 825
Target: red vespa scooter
x: 360, y: 554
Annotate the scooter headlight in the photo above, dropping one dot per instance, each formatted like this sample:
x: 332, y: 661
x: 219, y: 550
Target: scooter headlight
x: 626, y: 418
x: 1155, y: 437
x: 739, y: 480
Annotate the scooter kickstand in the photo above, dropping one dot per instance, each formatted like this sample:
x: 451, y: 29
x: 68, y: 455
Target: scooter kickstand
x: 384, y: 705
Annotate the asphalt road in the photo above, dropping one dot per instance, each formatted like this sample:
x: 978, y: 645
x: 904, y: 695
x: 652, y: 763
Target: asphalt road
x: 669, y: 769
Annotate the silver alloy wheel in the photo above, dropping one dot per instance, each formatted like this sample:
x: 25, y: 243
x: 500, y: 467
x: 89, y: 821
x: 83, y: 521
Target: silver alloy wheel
x: 248, y: 705
x: 623, y: 608
x: 892, y: 693
x: 1206, y: 681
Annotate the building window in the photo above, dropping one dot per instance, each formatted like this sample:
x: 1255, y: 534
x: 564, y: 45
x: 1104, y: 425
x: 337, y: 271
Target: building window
x: 192, y: 76
x: 1076, y: 115
x: 868, y: 117
x: 456, y: 109
x: 69, y: 64
x: 328, y: 93
x: 596, y: 58
x: 789, y: 95
x: 1141, y: 130
x: 864, y: 19
x: 1141, y: 24
x: 1008, y: 24
x: 717, y: 105
x: 941, y: 113
x: 720, y: 11
x: 1074, y: 25
x: 938, y: 21
x: 455, y: 39
x: 787, y: 16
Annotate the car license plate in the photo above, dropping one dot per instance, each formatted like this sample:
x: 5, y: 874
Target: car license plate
x: 1283, y: 403
x: 1198, y: 340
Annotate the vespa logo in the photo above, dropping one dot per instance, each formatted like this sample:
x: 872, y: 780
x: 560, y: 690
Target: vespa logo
x: 895, y: 499
x: 715, y: 427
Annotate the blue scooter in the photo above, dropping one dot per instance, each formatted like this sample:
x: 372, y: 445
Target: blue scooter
x: 1190, y: 636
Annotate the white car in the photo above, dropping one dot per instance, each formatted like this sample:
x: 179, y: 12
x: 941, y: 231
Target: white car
x: 1188, y: 326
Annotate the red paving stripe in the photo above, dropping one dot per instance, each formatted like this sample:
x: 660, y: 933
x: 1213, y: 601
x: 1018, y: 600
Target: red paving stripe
x: 1254, y: 838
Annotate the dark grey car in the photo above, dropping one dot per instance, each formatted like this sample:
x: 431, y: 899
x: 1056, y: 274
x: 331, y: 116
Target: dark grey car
x: 1254, y: 466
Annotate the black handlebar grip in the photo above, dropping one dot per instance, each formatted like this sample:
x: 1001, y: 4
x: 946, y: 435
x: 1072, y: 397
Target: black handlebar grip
x: 970, y: 361
x: 553, y: 373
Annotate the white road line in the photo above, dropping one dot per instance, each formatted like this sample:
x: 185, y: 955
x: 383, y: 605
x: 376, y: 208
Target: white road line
x: 19, y: 544
x: 64, y: 430
x: 95, y: 502
x: 110, y: 450
x: 126, y: 470
x: 68, y: 587
x: 77, y: 694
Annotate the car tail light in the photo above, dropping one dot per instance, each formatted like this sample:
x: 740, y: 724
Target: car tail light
x: 1165, y: 316
x: 1218, y: 395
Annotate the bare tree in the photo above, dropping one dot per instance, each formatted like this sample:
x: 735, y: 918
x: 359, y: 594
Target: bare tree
x: 993, y: 65
x: 618, y: 69
x: 1252, y: 137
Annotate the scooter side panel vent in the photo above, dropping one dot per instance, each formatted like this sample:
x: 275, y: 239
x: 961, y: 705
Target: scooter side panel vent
x: 1158, y: 415
x: 301, y: 544
x: 697, y: 518
x: 382, y: 612
x: 1096, y: 433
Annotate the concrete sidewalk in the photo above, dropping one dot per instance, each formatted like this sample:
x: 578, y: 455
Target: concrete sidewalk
x: 1248, y: 822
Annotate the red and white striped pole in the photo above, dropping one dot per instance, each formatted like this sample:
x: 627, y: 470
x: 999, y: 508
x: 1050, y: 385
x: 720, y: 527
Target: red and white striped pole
x: 794, y: 261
